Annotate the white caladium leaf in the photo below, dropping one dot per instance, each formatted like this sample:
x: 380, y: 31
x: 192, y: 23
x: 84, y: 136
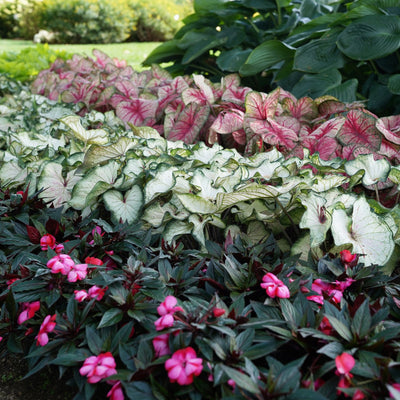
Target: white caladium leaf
x: 134, y: 167
x: 107, y: 174
x: 203, y: 179
x: 375, y: 170
x: 157, y: 214
x: 163, y: 181
x: 203, y: 153
x: 394, y: 174
x: 99, y: 154
x: 91, y: 136
x: 38, y: 141
x: 125, y: 208
x: 11, y: 174
x: 328, y: 182
x: 317, y: 218
x: 369, y: 234
x: 175, y: 229
x: 196, y: 204
x: 57, y: 189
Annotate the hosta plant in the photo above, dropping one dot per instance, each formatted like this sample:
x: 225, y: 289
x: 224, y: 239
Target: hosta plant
x: 122, y: 314
x: 348, y: 49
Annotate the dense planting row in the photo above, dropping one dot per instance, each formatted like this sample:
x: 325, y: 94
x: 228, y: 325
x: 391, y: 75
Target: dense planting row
x: 175, y: 269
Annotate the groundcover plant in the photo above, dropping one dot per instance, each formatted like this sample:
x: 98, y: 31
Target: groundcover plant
x: 140, y: 266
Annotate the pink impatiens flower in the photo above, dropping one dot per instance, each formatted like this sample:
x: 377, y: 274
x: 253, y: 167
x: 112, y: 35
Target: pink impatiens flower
x: 47, y: 326
x: 161, y: 345
x: 344, y: 364
x: 183, y: 366
x: 348, y: 259
x: 28, y: 311
x: 80, y: 295
x: 116, y: 392
x: 274, y: 286
x: 96, y: 292
x: 98, y: 367
x: 166, y: 309
x: 78, y: 272
x: 62, y: 263
x: 47, y: 241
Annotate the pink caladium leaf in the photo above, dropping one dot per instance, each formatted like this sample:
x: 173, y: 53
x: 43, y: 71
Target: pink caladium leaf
x: 391, y: 151
x: 359, y: 130
x: 171, y: 92
x: 390, y: 128
x: 127, y: 89
x: 102, y: 59
x: 275, y: 134
x: 186, y: 124
x: 81, y: 65
x: 260, y: 106
x: 138, y: 112
x: 231, y: 91
x: 303, y: 109
x: 202, y: 95
x: 104, y: 99
x: 228, y: 122
x: 351, y: 152
x: 82, y: 91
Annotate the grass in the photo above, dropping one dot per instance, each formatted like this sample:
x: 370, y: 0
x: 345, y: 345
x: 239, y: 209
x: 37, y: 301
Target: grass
x: 134, y: 52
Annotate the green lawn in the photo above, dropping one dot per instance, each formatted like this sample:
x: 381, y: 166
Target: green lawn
x: 134, y: 53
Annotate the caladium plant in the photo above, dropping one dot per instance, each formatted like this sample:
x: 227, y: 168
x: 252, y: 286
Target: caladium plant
x: 182, y: 190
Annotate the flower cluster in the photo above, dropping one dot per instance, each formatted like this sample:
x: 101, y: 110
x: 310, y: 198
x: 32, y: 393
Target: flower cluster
x: 46, y: 327
x: 94, y: 292
x: 63, y: 263
x: 333, y: 290
x: 274, y: 286
x: 166, y: 310
x: 98, y: 367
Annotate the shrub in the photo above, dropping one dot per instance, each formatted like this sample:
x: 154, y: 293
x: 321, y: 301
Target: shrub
x: 310, y: 48
x: 26, y: 64
x: 11, y: 12
x: 157, y: 20
x: 79, y: 21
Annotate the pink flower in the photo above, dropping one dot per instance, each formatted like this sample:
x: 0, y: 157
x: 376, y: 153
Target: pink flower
x: 161, y: 345
x: 96, y: 232
x: 28, y: 311
x: 218, y: 312
x: 80, y: 295
x: 47, y: 326
x: 274, y: 286
x: 333, y: 290
x: 93, y: 261
x: 61, y: 263
x: 11, y: 281
x: 98, y: 368
x: 78, y: 272
x: 47, y: 241
x: 358, y: 395
x: 168, y: 306
x: 348, y: 259
x: 183, y: 365
x: 116, y: 392
x: 395, y: 386
x: 59, y: 248
x: 96, y: 292
x: 166, y: 321
x: 344, y: 363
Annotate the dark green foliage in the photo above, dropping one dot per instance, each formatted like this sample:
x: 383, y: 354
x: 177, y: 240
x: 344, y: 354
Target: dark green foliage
x: 311, y: 48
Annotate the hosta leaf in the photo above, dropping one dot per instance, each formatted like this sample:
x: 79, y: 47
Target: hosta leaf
x: 316, y: 218
x: 99, y: 154
x: 370, y: 37
x: 57, y: 189
x: 266, y: 55
x: 91, y: 136
x: 394, y: 84
x: 125, y: 208
x: 186, y: 125
x: 359, y: 130
x: 197, y: 204
x: 367, y: 232
x: 374, y: 170
x: 318, y: 55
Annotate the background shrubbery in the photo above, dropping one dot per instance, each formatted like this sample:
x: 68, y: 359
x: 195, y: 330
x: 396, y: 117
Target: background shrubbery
x: 94, y: 21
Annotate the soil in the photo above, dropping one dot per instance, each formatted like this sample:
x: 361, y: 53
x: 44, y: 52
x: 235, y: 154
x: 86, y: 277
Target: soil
x: 44, y: 385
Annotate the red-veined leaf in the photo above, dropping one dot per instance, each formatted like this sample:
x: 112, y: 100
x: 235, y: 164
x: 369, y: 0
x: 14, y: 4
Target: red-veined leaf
x: 137, y: 112
x: 261, y: 106
x: 302, y: 109
x: 186, y: 124
x: 228, y: 122
x: 390, y: 128
x: 391, y: 151
x: 203, y: 95
x: 359, y: 130
x: 127, y: 88
x: 351, y: 152
x: 274, y: 134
